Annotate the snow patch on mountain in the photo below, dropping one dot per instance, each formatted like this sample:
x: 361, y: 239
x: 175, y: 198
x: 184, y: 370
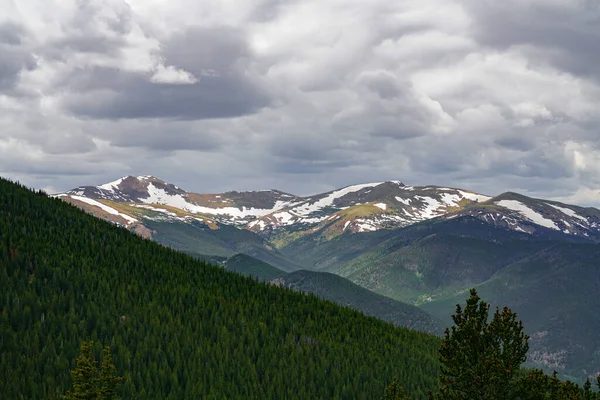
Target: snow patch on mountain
x: 474, y: 196
x: 403, y: 201
x: 383, y: 206
x: 568, y: 211
x: 528, y: 213
x: 430, y: 210
x: 104, y: 207
x: 308, y: 208
x: 111, y: 186
x: 160, y: 196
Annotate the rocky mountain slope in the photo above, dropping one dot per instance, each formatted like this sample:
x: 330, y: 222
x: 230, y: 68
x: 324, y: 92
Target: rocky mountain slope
x: 282, y: 217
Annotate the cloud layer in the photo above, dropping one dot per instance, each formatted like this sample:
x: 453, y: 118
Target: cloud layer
x: 303, y: 95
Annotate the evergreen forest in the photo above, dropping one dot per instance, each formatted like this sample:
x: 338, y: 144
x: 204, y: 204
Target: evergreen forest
x: 177, y: 327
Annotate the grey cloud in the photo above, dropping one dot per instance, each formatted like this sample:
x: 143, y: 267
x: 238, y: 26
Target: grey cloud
x: 131, y: 95
x: 217, y: 57
x: 12, y: 62
x: 385, y: 107
x: 168, y: 136
x: 310, y: 167
x: 119, y: 20
x: 83, y: 44
x: 518, y: 143
x: 220, y: 50
x: 268, y: 10
x: 383, y: 83
x: 11, y: 33
x: 306, y: 153
x: 566, y: 35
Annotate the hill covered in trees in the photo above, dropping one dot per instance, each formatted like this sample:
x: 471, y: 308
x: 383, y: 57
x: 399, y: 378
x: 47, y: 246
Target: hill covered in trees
x: 177, y: 327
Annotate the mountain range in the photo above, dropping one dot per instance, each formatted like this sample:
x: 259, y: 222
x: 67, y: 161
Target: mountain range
x: 358, y: 208
x: 421, y: 246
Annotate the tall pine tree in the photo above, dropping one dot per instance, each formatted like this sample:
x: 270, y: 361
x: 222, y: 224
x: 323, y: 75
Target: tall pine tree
x: 85, y: 375
x: 108, y: 377
x: 88, y: 382
x: 479, y: 359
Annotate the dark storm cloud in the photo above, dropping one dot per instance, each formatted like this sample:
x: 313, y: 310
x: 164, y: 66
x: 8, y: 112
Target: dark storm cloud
x: 84, y: 44
x: 182, y: 135
x: 566, y: 34
x: 519, y: 143
x: 217, y: 58
x: 88, y: 30
x: 13, y: 56
x: 11, y: 34
x: 211, y: 97
x: 202, y: 51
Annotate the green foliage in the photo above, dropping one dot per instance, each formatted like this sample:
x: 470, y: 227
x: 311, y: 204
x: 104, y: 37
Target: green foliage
x: 394, y: 392
x: 554, y: 292
x: 109, y: 381
x: 85, y: 375
x: 88, y: 382
x: 177, y: 327
x: 538, y: 386
x: 480, y: 358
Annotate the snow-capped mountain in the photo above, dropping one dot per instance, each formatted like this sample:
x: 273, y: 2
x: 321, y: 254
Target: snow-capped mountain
x: 369, y: 207
x: 150, y: 193
x: 524, y: 214
x: 358, y: 208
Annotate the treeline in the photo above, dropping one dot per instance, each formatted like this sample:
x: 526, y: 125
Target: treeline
x: 177, y: 328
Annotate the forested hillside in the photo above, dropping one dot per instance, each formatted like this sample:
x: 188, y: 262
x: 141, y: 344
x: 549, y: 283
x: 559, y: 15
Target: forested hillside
x: 177, y: 327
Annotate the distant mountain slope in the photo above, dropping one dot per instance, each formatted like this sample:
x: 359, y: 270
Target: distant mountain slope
x: 342, y: 291
x: 178, y: 328
x: 337, y: 289
x: 250, y: 266
x: 556, y: 292
x: 549, y: 277
x: 535, y: 216
x: 196, y: 238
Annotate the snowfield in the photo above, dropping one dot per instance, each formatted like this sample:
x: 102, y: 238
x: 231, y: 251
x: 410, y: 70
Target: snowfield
x: 528, y: 213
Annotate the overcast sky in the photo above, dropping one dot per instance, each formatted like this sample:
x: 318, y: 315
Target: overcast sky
x: 303, y: 95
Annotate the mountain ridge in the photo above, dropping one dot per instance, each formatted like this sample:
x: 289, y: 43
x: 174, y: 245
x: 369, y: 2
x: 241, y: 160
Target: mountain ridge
x: 282, y: 217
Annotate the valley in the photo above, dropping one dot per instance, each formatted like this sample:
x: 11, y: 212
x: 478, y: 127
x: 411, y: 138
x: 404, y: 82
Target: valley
x: 421, y: 246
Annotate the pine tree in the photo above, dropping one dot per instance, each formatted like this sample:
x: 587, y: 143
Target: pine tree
x: 108, y: 377
x: 84, y: 375
x: 479, y: 359
x: 587, y: 390
x: 88, y: 382
x: 394, y: 392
